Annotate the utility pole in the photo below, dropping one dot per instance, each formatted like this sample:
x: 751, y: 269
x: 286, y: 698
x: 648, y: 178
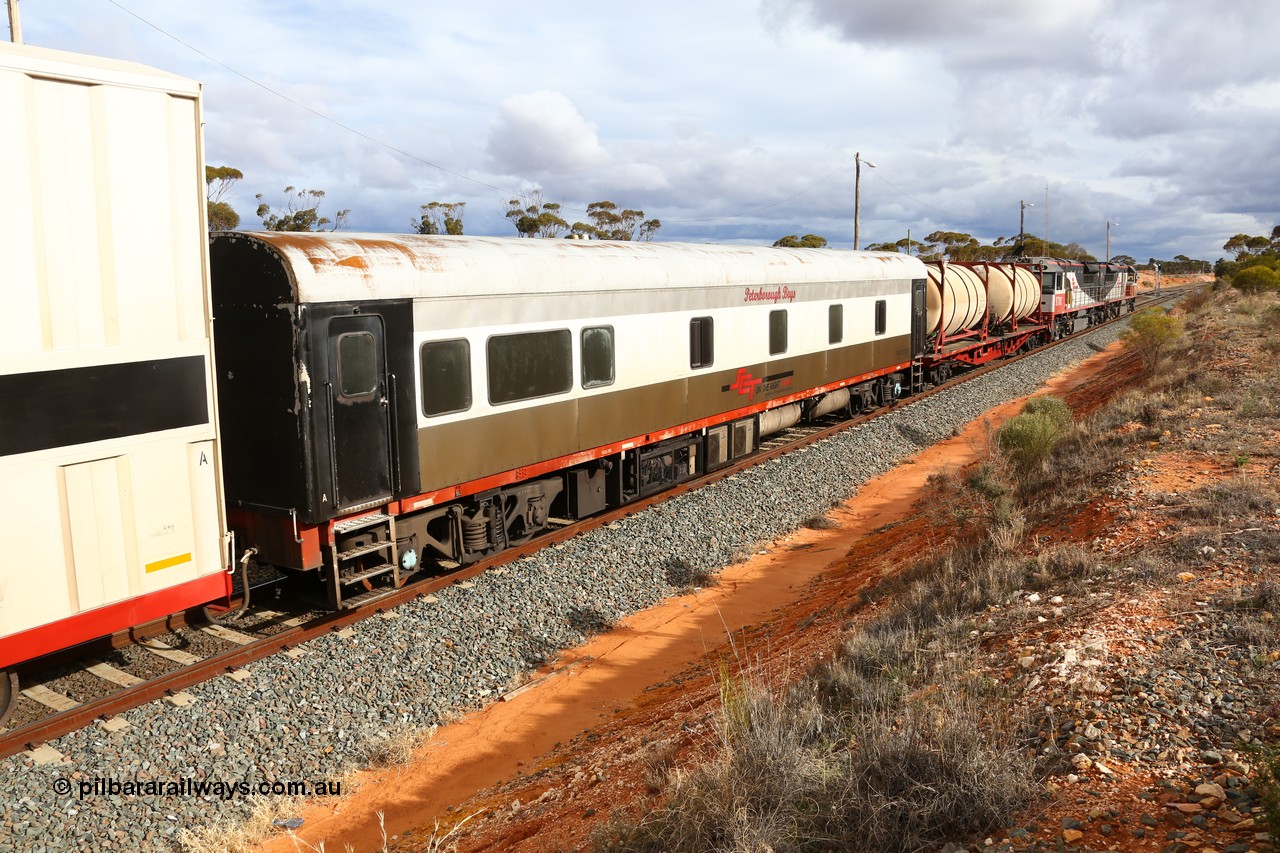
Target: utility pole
x: 15, y: 24
x: 1022, y: 225
x: 1107, y: 259
x: 1046, y: 215
x: 857, y: 195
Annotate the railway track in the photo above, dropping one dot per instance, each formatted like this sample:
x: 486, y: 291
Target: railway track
x: 204, y: 652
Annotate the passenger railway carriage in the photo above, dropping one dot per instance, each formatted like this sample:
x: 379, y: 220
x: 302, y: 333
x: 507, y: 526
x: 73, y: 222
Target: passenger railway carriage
x: 388, y: 400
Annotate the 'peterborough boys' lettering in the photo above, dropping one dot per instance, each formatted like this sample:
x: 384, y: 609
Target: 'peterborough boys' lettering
x: 774, y: 295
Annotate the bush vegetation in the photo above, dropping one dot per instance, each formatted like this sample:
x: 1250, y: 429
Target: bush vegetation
x: 1152, y: 333
x: 1256, y: 279
x: 1029, y: 438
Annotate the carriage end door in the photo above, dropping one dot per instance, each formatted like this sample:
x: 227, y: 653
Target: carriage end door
x: 359, y: 412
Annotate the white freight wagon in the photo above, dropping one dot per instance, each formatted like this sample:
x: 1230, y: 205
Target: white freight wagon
x: 111, y: 507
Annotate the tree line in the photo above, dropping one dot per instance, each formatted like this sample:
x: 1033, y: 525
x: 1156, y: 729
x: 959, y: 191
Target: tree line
x: 1180, y: 265
x: 532, y: 216
x: 958, y: 246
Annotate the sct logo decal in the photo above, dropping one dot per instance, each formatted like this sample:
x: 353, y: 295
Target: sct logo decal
x: 746, y: 384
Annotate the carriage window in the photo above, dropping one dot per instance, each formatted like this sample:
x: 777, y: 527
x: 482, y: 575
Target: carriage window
x: 528, y: 365
x: 835, y: 324
x: 357, y: 364
x: 701, y: 342
x: 597, y: 356
x: 446, y: 377
x: 777, y: 332
x: 882, y: 317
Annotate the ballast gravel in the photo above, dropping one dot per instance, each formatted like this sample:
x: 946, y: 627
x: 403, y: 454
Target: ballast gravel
x: 312, y: 717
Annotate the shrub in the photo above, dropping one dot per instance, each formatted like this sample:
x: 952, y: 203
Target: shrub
x: 1239, y: 497
x: 1029, y: 438
x: 1268, y: 784
x: 1054, y: 408
x: 941, y: 767
x: 902, y: 774
x: 1151, y: 334
x: 1256, y: 279
x: 1196, y: 301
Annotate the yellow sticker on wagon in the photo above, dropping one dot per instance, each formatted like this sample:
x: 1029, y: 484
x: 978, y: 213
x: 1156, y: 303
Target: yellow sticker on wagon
x: 166, y: 563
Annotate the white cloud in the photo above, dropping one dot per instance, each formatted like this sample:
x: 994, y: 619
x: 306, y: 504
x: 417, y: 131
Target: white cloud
x: 542, y: 133
x: 1162, y: 114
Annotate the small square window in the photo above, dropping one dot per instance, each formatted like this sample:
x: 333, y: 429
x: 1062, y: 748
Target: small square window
x: 701, y: 342
x: 835, y: 324
x: 777, y: 332
x: 446, y: 377
x: 597, y: 356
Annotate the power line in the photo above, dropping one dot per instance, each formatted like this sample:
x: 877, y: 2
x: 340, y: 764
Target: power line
x: 900, y: 192
x: 818, y: 183
x: 506, y: 193
x: 311, y: 110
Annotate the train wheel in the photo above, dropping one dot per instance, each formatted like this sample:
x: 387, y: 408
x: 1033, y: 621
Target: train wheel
x: 8, y: 694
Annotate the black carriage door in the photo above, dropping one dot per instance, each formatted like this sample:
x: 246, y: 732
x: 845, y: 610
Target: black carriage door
x: 359, y: 416
x: 918, y: 313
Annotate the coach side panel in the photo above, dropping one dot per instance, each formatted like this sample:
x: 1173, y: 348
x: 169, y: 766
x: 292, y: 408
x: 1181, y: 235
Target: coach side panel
x: 757, y: 347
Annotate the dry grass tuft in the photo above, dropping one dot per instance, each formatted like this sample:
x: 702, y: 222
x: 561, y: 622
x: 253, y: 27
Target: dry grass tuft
x: 241, y: 835
x: 904, y: 774
x: 393, y: 746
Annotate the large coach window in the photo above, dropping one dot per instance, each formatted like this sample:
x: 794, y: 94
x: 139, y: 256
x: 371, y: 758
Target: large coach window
x: 882, y: 317
x: 777, y: 332
x: 701, y: 342
x: 446, y: 377
x: 528, y: 365
x: 597, y: 356
x: 357, y: 364
x: 835, y: 324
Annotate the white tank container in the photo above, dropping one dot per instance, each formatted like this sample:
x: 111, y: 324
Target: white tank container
x: 956, y: 299
x: 999, y: 290
x: 1026, y: 292
x: 1014, y: 284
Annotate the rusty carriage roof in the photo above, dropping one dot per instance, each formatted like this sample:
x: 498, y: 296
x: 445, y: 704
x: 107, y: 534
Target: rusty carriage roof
x: 339, y: 267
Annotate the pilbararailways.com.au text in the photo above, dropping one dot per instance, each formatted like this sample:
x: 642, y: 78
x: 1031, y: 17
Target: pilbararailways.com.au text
x: 185, y: 787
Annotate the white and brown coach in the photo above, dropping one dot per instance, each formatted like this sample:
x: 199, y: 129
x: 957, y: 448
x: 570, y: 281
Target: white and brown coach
x: 389, y: 401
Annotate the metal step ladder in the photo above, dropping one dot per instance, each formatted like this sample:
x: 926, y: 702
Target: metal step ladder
x: 351, y: 567
x: 917, y: 376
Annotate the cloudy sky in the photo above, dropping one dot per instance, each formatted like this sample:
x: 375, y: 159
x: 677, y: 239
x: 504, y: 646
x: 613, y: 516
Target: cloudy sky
x: 737, y: 120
